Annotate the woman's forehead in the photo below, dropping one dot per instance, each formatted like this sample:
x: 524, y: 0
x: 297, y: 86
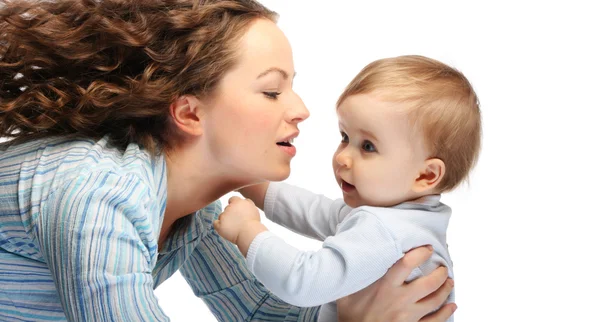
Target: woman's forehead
x: 265, y: 47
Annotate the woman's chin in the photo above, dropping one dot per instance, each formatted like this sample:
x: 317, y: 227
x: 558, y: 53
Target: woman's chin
x: 280, y: 174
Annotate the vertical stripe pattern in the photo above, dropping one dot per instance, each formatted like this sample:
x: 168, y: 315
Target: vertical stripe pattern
x: 79, y: 226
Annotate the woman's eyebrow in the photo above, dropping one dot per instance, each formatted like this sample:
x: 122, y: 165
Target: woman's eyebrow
x: 283, y: 73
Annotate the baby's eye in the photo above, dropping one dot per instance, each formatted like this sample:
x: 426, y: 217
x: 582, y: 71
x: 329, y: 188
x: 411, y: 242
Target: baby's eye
x: 345, y: 138
x: 368, y: 146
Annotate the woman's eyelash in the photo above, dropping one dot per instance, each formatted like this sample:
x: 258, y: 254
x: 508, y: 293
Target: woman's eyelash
x: 272, y: 95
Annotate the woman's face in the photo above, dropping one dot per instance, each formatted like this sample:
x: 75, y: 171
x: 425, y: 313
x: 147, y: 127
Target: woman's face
x: 255, y: 112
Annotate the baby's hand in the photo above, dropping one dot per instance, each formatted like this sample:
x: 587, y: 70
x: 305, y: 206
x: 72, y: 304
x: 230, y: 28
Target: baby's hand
x: 240, y: 214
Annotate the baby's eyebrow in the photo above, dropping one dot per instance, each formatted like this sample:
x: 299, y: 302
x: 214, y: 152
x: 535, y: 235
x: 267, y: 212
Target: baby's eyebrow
x: 368, y: 134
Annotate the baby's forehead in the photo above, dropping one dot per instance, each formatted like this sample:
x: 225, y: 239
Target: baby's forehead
x: 376, y: 116
x: 375, y: 106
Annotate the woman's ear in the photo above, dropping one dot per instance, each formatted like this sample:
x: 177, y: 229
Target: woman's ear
x: 187, y: 112
x: 430, y: 175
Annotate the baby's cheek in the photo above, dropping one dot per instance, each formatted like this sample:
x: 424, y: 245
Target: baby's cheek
x: 387, y: 184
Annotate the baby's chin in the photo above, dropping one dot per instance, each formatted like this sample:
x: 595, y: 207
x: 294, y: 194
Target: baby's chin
x: 353, y: 203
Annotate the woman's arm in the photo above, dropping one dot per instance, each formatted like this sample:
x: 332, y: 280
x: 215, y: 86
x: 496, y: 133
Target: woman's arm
x: 96, y: 237
x: 391, y: 299
x: 217, y: 273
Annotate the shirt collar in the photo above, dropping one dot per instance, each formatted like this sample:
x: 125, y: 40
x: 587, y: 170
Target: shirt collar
x: 189, y: 229
x: 428, y: 202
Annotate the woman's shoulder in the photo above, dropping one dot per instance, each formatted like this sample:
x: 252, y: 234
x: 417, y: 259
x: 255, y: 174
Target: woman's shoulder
x: 62, y: 158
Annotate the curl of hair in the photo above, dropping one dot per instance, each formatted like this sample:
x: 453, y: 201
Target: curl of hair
x: 112, y: 67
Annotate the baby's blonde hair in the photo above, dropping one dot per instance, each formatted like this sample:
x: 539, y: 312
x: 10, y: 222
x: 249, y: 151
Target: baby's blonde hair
x: 441, y: 105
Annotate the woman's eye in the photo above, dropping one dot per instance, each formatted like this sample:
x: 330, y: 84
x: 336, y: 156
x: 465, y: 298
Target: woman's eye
x: 368, y: 146
x: 272, y: 95
x: 345, y: 138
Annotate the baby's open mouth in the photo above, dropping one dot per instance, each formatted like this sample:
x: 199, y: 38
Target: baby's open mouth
x: 346, y: 187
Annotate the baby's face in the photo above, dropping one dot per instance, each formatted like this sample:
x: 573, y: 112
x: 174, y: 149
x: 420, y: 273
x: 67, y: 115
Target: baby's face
x: 379, y: 157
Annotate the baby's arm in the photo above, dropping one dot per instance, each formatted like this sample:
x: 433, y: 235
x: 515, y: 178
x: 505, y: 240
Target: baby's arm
x: 361, y: 253
x: 303, y: 211
x: 239, y: 223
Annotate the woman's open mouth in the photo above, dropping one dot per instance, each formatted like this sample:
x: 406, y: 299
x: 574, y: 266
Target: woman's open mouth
x: 287, y: 147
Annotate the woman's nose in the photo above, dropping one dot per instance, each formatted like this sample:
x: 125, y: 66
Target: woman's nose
x: 297, y: 112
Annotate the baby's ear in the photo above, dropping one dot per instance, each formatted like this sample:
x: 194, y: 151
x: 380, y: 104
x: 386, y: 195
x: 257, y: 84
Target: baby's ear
x: 430, y: 175
x: 186, y: 113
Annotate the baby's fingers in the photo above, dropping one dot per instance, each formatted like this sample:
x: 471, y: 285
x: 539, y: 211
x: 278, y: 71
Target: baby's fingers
x: 234, y: 199
x: 217, y: 224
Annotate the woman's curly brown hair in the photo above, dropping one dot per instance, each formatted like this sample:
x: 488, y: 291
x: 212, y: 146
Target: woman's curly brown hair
x: 98, y: 67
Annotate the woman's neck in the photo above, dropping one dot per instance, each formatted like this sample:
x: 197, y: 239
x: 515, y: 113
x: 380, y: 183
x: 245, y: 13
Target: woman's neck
x: 192, y: 184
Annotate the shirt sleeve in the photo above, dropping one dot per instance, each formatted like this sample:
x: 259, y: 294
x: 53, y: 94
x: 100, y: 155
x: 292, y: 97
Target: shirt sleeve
x: 97, y: 238
x: 302, y: 211
x: 358, y: 255
x: 217, y: 273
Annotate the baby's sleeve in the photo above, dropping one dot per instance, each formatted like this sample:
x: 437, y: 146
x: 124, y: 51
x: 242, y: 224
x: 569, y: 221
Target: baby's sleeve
x: 304, y: 212
x: 359, y: 254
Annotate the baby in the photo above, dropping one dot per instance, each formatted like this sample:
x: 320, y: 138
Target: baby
x: 411, y: 130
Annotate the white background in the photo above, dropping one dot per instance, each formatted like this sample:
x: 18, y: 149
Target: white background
x: 524, y: 233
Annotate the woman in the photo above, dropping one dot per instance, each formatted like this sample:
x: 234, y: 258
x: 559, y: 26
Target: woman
x: 128, y: 117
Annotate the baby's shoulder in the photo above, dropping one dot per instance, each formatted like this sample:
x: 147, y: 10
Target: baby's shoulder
x: 364, y: 216
x: 392, y: 217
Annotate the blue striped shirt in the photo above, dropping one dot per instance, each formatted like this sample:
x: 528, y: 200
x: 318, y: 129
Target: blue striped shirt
x: 79, y: 227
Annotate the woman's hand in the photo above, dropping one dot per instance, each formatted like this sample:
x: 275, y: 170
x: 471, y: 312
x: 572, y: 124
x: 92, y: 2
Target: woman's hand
x: 391, y: 299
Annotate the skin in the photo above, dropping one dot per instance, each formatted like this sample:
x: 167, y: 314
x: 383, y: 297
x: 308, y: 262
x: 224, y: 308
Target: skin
x: 229, y: 141
x: 379, y: 161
